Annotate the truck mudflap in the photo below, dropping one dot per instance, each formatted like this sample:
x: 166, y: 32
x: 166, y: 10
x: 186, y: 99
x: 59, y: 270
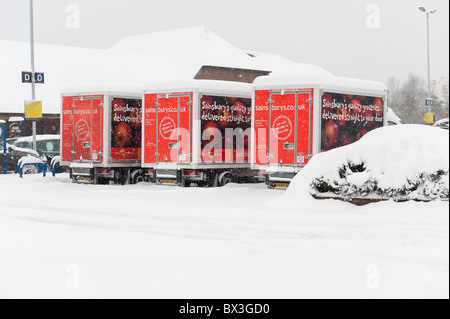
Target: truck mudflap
x: 167, y: 177
x: 82, y: 173
x: 203, y: 177
x: 280, y: 176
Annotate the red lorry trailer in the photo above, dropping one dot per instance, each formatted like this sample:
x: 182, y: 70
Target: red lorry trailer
x: 101, y: 135
x: 297, y: 117
x: 197, y: 132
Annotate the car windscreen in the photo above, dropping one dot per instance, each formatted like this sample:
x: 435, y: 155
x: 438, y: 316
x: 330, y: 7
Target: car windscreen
x: 48, y: 145
x: 25, y: 145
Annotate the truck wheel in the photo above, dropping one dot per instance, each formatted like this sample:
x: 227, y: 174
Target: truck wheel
x: 103, y: 181
x: 227, y: 179
x: 186, y: 183
x: 137, y: 177
x: 201, y: 184
x: 213, y: 180
x: 120, y: 177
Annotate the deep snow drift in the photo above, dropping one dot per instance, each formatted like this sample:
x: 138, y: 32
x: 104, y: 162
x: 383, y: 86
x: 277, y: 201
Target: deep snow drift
x: 405, y: 162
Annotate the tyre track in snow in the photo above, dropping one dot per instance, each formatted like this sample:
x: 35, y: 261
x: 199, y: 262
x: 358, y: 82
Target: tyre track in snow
x: 252, y: 234
x: 234, y: 214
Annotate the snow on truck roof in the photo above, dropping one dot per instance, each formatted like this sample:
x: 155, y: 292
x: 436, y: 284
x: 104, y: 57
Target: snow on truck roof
x: 101, y: 89
x: 308, y: 75
x: 200, y: 85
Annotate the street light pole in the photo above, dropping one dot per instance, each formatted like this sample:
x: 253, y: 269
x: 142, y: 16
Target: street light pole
x: 33, y: 91
x: 428, y: 58
x: 428, y: 54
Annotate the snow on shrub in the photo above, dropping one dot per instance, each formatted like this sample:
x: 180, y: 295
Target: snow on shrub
x: 406, y: 162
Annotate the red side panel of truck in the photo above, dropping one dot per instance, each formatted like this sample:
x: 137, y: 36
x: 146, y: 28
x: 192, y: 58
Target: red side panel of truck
x: 225, y: 129
x: 126, y: 129
x: 345, y: 118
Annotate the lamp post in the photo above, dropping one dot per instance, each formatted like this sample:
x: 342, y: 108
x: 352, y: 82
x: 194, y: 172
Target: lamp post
x: 428, y: 53
x: 33, y: 91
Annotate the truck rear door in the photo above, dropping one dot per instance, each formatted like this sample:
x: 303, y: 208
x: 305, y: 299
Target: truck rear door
x: 173, y: 128
x: 290, y: 136
x: 87, y: 129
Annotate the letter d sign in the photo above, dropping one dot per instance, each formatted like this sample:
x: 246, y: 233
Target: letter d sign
x: 39, y: 78
x: 26, y: 77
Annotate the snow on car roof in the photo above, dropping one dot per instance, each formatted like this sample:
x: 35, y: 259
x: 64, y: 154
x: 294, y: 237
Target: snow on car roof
x: 39, y: 138
x: 393, y: 154
x: 442, y: 122
x: 392, y: 117
x: 24, y: 150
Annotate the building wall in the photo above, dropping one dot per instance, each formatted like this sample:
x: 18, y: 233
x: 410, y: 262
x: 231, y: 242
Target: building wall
x: 209, y: 72
x: 49, y: 124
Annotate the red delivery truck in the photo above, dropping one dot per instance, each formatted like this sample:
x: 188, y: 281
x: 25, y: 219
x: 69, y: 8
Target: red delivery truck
x: 101, y: 135
x: 197, y: 131
x: 296, y: 117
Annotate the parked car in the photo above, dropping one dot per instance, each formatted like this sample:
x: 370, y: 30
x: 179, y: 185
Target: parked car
x: 442, y: 123
x: 392, y: 118
x: 13, y: 155
x: 47, y: 145
x: 11, y: 140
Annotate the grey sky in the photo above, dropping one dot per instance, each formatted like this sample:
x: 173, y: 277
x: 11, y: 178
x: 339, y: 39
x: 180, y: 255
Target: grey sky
x: 331, y: 34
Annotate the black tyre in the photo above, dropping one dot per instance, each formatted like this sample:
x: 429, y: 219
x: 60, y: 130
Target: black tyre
x: 30, y: 169
x: 120, y: 177
x: 138, y: 178
x: 202, y: 184
x: 227, y: 179
x: 213, y: 180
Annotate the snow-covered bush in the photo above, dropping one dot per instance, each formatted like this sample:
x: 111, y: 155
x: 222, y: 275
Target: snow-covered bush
x: 356, y: 182
x: 406, y: 162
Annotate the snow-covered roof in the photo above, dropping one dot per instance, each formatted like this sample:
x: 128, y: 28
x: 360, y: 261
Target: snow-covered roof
x: 200, y: 85
x: 157, y: 57
x: 193, y: 47
x: 16, y: 119
x: 65, y: 66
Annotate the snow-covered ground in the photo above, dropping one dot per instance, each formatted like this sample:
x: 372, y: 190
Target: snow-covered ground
x: 64, y: 240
